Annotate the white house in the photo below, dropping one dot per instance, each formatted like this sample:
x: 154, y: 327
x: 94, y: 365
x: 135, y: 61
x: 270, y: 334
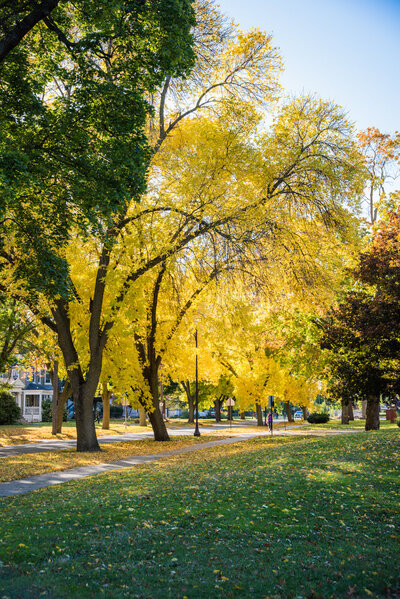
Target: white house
x: 29, y: 390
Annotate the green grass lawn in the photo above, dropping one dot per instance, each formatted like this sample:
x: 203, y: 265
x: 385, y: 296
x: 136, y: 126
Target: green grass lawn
x: 359, y: 424
x: 289, y: 517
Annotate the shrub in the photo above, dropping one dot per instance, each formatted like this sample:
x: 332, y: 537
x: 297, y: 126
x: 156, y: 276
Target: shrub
x: 9, y: 410
x: 318, y: 418
x: 116, y: 412
x: 47, y: 415
x: 46, y: 410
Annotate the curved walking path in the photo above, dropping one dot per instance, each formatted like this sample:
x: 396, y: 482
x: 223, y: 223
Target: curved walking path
x: 8, y: 451
x: 25, y: 485
x: 19, y: 487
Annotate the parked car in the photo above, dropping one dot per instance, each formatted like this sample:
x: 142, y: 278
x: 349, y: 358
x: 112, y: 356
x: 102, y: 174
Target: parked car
x: 298, y: 415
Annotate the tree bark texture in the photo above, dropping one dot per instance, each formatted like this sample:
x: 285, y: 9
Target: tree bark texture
x: 54, y: 407
x: 259, y: 414
x: 304, y: 409
x: 158, y: 425
x: 85, y: 426
x: 345, y: 412
x: 217, y: 404
x: 190, y: 400
x: 364, y: 409
x: 288, y: 411
x: 155, y: 415
x: 62, y: 400
x: 142, y: 417
x: 372, y: 419
x: 105, y: 396
x: 242, y: 416
x: 83, y: 386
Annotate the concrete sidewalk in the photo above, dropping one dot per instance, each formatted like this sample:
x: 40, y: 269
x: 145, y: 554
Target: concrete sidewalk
x: 8, y: 451
x: 25, y: 485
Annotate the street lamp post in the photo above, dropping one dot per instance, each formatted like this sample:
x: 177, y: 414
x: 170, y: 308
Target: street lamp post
x: 196, y: 430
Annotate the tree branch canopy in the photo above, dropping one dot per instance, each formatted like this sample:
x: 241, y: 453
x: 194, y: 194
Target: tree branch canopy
x: 13, y: 34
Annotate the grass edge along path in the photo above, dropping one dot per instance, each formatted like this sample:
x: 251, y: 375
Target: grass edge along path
x: 44, y: 460
x: 18, y: 486
x: 274, y: 519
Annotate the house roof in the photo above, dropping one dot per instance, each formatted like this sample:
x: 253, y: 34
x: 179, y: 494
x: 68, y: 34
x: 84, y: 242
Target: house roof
x: 36, y: 387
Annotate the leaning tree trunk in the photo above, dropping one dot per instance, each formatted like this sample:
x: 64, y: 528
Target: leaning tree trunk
x: 105, y: 397
x: 259, y: 415
x: 155, y: 415
x: 288, y: 411
x: 158, y: 424
x: 345, y: 412
x: 372, y: 419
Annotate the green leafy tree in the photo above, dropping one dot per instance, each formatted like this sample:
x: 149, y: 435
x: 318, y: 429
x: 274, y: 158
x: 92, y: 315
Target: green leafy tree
x: 74, y: 154
x: 9, y: 410
x: 16, y: 331
x: 363, y: 333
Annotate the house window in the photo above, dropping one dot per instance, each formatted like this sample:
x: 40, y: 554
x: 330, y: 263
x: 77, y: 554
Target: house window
x: 32, y: 401
x: 47, y: 379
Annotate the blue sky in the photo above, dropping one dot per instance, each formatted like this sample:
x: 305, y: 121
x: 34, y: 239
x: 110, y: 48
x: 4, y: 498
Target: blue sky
x: 345, y: 51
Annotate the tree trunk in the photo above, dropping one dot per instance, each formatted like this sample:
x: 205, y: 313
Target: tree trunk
x: 259, y: 415
x: 56, y: 392
x: 158, y: 425
x: 85, y: 427
x: 350, y: 410
x: 155, y: 416
x: 364, y: 409
x: 345, y: 412
x: 105, y: 397
x: 288, y: 411
x: 242, y: 416
x: 304, y: 409
x: 142, y: 417
x: 373, y: 406
x: 62, y: 400
x: 162, y: 399
x: 190, y: 400
x: 217, y: 404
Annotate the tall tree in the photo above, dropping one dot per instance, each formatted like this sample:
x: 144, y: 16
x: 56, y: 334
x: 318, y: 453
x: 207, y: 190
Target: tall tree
x: 381, y: 153
x: 74, y: 154
x: 363, y: 332
x: 254, y: 199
